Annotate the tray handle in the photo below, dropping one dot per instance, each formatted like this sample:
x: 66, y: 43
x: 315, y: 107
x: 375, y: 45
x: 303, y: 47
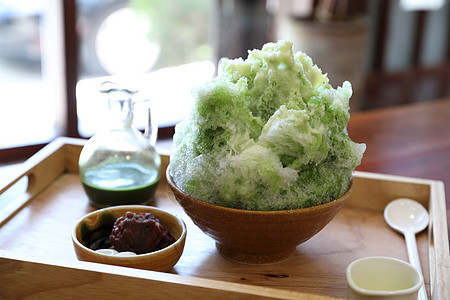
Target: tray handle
x: 35, y: 174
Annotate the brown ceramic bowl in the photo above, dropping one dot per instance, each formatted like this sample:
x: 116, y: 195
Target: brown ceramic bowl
x: 161, y: 260
x: 257, y: 237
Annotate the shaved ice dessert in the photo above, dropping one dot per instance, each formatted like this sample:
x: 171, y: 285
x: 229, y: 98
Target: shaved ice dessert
x: 268, y: 133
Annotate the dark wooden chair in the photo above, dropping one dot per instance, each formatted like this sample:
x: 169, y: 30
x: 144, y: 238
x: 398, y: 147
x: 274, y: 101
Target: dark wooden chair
x: 416, y: 82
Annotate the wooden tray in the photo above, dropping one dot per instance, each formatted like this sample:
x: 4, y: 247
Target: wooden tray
x: 37, y: 258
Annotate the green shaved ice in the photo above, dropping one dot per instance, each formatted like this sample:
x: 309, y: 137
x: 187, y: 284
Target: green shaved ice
x: 268, y: 133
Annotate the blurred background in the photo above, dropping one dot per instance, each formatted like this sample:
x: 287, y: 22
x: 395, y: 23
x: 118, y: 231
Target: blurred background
x: 55, y: 53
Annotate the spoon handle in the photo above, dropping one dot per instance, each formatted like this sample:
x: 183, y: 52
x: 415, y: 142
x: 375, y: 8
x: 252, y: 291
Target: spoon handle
x: 413, y: 255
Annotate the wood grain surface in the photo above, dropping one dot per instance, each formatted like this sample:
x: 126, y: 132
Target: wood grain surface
x: 35, y: 244
x: 413, y: 141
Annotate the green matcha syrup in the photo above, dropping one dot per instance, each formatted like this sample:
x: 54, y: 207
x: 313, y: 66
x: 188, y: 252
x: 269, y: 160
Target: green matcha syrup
x: 120, y: 183
x: 119, y: 165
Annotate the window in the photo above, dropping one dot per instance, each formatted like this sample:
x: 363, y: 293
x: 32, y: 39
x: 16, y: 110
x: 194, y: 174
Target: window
x: 30, y: 72
x: 160, y: 48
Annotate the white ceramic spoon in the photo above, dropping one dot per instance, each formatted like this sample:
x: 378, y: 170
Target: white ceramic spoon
x: 408, y: 217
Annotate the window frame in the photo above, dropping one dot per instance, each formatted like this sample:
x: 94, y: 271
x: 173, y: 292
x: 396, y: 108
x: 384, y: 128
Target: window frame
x: 71, y: 58
x: 70, y: 74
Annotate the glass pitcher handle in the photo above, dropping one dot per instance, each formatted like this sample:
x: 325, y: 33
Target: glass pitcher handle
x: 151, y: 128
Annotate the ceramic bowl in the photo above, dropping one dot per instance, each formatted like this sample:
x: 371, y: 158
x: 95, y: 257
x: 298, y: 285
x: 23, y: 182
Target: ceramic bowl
x: 257, y: 237
x: 101, y: 221
x: 379, y: 277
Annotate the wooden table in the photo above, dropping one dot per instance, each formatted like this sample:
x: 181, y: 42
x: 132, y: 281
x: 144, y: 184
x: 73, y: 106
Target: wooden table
x: 411, y: 140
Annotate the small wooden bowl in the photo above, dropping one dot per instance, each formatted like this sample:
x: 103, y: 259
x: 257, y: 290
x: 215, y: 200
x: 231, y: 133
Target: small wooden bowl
x: 103, y: 220
x: 257, y: 237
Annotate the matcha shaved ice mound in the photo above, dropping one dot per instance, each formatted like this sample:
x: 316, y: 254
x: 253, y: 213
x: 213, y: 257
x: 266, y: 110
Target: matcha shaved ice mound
x: 268, y: 133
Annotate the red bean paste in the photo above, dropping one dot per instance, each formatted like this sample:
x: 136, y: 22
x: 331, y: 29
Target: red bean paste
x: 139, y: 233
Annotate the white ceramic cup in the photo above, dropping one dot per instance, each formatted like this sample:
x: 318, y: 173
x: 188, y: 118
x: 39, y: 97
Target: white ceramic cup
x: 380, y: 277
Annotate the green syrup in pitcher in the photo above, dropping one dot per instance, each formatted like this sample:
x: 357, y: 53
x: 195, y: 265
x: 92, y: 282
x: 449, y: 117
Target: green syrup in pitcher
x: 119, y: 165
x: 120, y: 183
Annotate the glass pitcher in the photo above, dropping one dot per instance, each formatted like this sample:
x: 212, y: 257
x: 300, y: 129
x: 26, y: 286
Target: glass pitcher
x: 120, y: 166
